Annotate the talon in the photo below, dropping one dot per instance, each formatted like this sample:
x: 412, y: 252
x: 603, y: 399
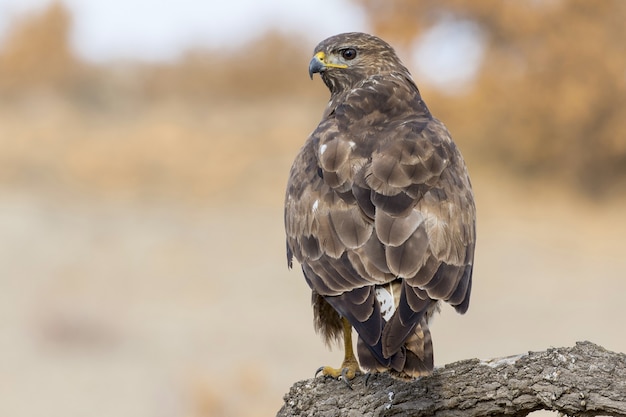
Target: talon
x: 344, y: 377
x: 320, y: 369
x: 367, y: 378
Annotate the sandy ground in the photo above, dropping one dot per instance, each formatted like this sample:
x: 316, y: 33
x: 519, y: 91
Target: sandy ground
x: 111, y: 308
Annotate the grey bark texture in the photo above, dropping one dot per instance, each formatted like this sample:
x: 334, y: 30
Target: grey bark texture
x: 584, y: 380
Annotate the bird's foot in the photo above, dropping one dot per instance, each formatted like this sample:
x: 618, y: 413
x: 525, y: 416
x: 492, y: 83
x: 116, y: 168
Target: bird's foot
x: 348, y: 371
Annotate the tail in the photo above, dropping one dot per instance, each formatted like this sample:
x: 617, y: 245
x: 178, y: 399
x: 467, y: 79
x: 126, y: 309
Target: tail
x: 419, y: 353
x: 412, y: 360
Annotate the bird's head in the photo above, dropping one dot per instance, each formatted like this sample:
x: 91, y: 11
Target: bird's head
x: 344, y: 60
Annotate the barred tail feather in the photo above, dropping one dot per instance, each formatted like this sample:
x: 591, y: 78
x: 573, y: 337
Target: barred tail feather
x: 412, y: 360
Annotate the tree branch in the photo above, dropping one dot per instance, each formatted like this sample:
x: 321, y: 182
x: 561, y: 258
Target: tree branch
x: 584, y: 380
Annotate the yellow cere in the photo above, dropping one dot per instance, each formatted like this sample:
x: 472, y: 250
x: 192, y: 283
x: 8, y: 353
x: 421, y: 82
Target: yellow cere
x: 322, y: 57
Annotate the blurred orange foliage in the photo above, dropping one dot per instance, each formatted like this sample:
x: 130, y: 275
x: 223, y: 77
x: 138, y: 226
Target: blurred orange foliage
x: 36, y: 53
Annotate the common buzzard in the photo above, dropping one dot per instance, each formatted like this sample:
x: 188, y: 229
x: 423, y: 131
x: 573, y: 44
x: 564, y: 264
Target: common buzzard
x: 379, y: 211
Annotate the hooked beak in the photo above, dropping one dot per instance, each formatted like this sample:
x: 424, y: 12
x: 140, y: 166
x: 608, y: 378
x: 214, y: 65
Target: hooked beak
x: 317, y: 64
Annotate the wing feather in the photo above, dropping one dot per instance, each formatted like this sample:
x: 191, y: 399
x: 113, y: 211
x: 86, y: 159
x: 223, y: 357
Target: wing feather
x: 394, y: 231
x: 406, y: 259
x: 350, y: 225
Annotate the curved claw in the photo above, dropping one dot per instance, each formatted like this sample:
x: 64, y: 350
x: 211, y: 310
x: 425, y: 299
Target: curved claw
x: 320, y: 369
x: 367, y: 378
x: 344, y: 377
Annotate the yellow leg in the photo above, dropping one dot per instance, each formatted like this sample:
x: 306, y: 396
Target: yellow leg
x: 350, y: 367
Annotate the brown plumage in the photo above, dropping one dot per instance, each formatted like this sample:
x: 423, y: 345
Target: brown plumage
x: 379, y: 209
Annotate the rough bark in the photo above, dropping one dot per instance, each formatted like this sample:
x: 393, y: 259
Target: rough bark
x: 584, y: 380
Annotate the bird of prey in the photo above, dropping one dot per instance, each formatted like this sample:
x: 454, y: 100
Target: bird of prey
x: 379, y: 212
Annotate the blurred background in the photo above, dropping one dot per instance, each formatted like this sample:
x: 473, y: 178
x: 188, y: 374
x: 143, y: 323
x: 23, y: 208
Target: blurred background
x: 144, y: 151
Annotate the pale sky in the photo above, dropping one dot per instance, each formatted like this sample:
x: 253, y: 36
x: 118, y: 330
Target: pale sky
x: 159, y: 30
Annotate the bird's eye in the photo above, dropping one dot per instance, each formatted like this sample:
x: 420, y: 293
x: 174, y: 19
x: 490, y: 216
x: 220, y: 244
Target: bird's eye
x: 348, y: 54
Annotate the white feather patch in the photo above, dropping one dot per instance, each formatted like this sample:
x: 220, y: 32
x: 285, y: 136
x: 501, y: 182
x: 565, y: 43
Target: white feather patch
x: 323, y: 148
x: 386, y: 301
x: 314, y: 206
